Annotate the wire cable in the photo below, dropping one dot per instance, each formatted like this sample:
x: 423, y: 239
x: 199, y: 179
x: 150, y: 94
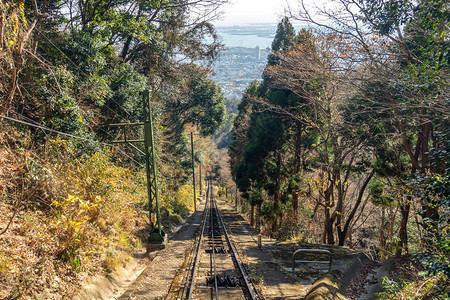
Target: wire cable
x: 45, y: 128
x: 68, y: 135
x: 40, y: 126
x: 78, y: 68
x: 22, y: 116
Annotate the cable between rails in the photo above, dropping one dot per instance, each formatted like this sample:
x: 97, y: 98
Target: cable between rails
x: 211, y: 227
x: 195, y: 263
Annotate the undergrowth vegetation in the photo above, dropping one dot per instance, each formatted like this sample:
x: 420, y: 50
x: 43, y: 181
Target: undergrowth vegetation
x: 75, y: 207
x: 67, y: 215
x: 345, y: 141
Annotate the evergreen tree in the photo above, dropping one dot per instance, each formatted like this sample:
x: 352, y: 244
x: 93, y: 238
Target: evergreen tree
x: 284, y: 39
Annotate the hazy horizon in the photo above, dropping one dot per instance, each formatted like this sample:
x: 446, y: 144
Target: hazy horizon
x: 240, y: 12
x: 245, y: 12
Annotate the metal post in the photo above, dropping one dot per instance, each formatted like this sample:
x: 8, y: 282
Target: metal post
x: 156, y: 236
x: 327, y: 252
x: 200, y: 170
x: 259, y: 226
x: 236, y: 199
x: 152, y: 184
x: 193, y: 170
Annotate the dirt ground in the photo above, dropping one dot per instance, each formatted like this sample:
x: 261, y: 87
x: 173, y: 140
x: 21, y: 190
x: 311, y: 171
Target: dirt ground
x: 270, y: 266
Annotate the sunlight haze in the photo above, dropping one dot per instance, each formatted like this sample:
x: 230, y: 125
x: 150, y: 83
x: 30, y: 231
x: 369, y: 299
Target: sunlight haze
x: 239, y: 12
x: 252, y: 11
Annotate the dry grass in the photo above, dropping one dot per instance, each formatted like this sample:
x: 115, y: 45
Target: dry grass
x: 73, y: 217
x: 408, y: 281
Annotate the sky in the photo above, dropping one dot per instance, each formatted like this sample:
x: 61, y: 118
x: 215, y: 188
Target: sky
x: 240, y: 12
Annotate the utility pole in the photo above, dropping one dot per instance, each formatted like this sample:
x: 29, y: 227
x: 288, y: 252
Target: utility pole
x: 236, y: 200
x: 193, y: 170
x: 259, y: 226
x: 200, y: 170
x: 157, y: 238
x: 152, y: 183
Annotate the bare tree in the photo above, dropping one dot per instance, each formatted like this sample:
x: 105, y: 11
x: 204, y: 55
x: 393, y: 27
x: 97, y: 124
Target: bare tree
x: 415, y: 104
x: 15, y: 34
x: 321, y: 72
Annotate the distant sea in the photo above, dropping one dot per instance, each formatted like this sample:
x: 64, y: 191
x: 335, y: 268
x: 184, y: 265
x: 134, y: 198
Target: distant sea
x: 248, y: 36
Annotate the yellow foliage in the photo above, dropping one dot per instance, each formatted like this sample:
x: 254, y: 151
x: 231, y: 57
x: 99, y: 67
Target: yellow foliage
x: 4, y: 264
x: 110, y: 264
x: 96, y: 206
x: 180, y: 201
x: 14, y: 21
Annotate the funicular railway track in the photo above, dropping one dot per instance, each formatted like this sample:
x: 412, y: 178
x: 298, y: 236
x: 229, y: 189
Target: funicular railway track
x: 215, y: 269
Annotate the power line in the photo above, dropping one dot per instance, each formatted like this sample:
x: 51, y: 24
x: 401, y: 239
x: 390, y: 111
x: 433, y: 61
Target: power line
x: 20, y: 115
x: 45, y: 128
x: 77, y: 67
x: 68, y: 135
x: 40, y: 126
x: 50, y: 41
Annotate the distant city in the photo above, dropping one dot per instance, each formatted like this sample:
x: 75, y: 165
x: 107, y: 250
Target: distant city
x: 245, y: 57
x: 237, y: 67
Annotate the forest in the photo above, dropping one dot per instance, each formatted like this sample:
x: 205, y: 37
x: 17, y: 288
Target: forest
x: 72, y: 203
x: 344, y: 141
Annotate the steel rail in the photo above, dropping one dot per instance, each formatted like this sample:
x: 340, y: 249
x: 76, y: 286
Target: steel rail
x: 190, y: 264
x: 195, y: 263
x: 235, y: 254
x: 213, y: 215
x: 246, y: 270
x: 211, y: 228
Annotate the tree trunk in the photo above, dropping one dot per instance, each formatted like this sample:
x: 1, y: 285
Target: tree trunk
x: 391, y: 223
x: 342, y: 234
x: 275, y: 221
x: 295, y: 205
x: 127, y: 44
x: 431, y: 211
x: 328, y: 236
x: 339, y: 211
x: 276, y: 198
x: 382, y: 237
x: 239, y: 201
x: 403, y: 233
x: 328, y: 226
x: 297, y: 166
x: 252, y: 216
x: 18, y: 58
